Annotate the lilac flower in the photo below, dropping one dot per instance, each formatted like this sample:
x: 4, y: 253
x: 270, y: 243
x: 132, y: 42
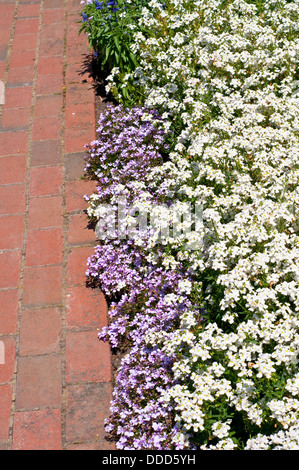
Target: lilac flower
x: 126, y: 148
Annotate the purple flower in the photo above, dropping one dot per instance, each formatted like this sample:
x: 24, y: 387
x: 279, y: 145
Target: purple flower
x: 124, y: 151
x: 113, y: 5
x: 126, y: 148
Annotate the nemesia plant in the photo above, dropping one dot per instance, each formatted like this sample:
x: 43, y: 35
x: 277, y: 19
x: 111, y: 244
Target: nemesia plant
x: 222, y: 76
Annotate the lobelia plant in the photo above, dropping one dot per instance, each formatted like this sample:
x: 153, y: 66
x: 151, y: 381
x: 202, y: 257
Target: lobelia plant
x: 143, y: 296
x: 140, y: 418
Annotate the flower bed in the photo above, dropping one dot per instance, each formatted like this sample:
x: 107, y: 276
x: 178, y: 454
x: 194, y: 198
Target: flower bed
x: 206, y: 311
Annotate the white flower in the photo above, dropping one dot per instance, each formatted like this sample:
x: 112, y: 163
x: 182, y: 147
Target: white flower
x: 221, y: 429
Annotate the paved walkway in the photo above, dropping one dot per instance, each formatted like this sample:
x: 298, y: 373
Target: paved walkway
x: 55, y: 383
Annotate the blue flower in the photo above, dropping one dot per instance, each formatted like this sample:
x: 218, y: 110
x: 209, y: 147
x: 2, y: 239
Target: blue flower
x: 113, y: 4
x: 99, y: 5
x: 85, y: 17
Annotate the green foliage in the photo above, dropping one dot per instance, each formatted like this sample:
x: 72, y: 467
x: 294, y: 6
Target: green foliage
x: 109, y: 26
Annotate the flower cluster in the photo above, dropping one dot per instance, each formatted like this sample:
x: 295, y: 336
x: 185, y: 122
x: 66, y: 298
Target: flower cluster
x: 129, y: 144
x: 144, y: 297
x: 222, y: 76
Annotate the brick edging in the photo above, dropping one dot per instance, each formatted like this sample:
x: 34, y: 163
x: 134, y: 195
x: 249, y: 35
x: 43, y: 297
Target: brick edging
x: 55, y: 387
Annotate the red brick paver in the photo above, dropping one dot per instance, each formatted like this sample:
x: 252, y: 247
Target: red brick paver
x: 55, y: 376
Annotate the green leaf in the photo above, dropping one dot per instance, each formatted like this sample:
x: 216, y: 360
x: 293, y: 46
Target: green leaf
x: 125, y: 93
x: 117, y: 56
x: 116, y: 41
x: 106, y: 55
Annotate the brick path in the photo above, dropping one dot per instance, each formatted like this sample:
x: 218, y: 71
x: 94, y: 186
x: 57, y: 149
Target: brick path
x: 55, y: 384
